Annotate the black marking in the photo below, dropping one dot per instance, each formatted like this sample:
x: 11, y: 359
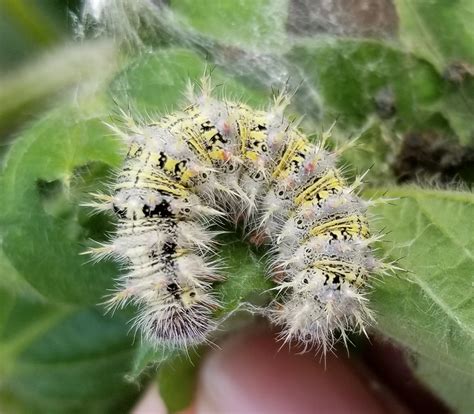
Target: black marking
x: 169, y: 248
x: 172, y: 287
x: 162, y: 210
x: 179, y: 168
x: 259, y: 127
x: 162, y: 160
x: 120, y: 212
x: 207, y: 126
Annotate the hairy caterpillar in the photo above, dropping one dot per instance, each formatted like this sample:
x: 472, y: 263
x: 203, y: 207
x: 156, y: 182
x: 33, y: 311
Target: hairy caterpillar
x: 218, y: 158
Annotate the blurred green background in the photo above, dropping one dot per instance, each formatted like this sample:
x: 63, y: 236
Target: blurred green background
x: 29, y: 27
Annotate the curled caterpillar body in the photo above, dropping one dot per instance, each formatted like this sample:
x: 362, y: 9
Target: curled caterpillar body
x: 217, y: 158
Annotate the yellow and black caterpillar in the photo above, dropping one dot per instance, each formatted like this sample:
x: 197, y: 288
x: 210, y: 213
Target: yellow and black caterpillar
x: 220, y: 158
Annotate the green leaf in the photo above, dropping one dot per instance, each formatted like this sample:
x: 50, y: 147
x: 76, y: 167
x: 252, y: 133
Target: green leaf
x: 177, y: 380
x: 246, y: 278
x: 429, y: 310
x: 449, y: 383
x: 442, y: 32
x: 155, y: 83
x: 47, y: 174
x: 12, y: 281
x: 58, y: 359
x: 149, y: 355
x: 458, y: 108
x: 253, y: 24
x: 22, y: 94
x: 439, y: 30
x: 357, y: 78
x: 373, y: 152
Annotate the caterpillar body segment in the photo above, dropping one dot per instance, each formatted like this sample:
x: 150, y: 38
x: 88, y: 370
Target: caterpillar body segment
x: 217, y: 158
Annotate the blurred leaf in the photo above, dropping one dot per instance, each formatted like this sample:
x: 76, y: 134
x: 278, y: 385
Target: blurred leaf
x: 25, y: 90
x: 357, y: 78
x: 177, y: 380
x: 48, y: 172
x: 458, y: 107
x: 451, y: 384
x: 253, y: 24
x: 443, y: 33
x: 373, y: 151
x: 57, y: 359
x: 429, y: 310
x: 15, y: 46
x: 439, y: 30
x: 28, y: 27
x: 12, y: 282
x: 148, y: 355
x: 155, y: 83
x: 33, y: 20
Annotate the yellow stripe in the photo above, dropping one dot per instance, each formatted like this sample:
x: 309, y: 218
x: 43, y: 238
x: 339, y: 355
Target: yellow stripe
x: 153, y: 175
x: 183, y: 127
x: 329, y: 181
x: 297, y: 143
x: 177, y: 192
x: 353, y: 225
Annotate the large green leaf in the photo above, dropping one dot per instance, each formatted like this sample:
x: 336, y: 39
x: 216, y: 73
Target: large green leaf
x: 458, y: 107
x: 156, y: 83
x: 254, y: 24
x: 443, y: 33
x: 439, y: 30
x: 430, y: 309
x: 177, y: 380
x: 12, y: 281
x: 357, y: 78
x: 47, y: 173
x: 60, y: 359
x: 22, y: 95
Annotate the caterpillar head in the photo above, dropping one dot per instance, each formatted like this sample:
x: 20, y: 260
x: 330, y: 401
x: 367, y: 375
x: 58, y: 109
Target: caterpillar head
x: 183, y: 317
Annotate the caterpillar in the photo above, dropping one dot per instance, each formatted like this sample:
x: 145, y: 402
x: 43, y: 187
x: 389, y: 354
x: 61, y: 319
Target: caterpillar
x: 216, y: 158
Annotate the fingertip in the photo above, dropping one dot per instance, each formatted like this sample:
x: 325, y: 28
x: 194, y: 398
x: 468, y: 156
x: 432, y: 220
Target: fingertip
x: 251, y: 375
x: 150, y: 403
